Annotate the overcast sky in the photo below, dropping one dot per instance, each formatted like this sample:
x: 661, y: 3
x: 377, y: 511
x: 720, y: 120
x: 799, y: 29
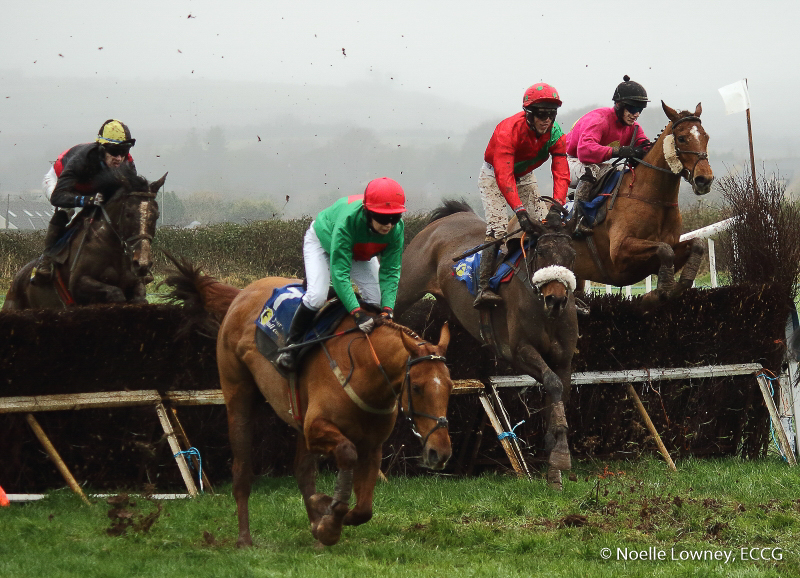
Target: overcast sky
x: 467, y: 62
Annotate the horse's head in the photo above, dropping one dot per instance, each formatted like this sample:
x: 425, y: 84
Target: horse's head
x: 686, y: 148
x: 133, y: 212
x: 552, y: 264
x: 426, y: 392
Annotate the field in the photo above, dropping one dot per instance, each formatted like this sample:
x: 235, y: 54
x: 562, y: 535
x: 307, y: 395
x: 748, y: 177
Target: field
x: 492, y: 525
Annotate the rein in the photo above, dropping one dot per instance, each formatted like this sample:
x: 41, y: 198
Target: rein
x: 685, y: 173
x: 441, y: 422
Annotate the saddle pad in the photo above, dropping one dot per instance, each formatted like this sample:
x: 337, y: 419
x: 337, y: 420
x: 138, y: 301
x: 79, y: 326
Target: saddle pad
x: 467, y: 270
x: 591, y: 208
x: 272, y: 325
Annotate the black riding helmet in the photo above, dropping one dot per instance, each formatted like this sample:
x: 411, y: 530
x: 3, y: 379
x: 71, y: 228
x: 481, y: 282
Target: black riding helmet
x: 629, y: 93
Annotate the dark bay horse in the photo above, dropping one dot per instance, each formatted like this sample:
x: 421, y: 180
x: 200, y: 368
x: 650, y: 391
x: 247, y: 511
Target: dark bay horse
x: 389, y: 368
x: 108, y: 257
x: 535, y: 327
x: 640, y: 235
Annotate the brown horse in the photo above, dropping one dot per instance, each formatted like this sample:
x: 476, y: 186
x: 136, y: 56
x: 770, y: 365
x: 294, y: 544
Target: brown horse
x: 108, y: 257
x: 535, y: 328
x: 346, y: 418
x: 640, y: 235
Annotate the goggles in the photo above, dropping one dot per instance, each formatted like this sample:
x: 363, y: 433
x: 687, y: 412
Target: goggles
x: 634, y: 109
x: 117, y: 150
x: 542, y: 113
x: 386, y: 219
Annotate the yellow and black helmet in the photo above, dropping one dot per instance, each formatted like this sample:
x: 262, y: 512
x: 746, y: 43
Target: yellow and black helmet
x: 115, y: 132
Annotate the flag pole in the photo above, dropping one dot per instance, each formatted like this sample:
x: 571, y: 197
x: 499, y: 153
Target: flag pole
x: 750, y: 139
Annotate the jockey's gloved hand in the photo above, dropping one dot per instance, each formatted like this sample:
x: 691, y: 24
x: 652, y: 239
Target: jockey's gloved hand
x: 363, y: 321
x: 525, y: 222
x: 388, y: 313
x: 628, y: 152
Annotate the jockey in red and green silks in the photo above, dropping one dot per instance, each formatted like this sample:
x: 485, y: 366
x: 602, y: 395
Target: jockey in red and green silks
x: 518, y: 145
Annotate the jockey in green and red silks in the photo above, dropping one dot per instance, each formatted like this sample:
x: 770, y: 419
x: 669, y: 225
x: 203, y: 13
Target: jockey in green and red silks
x: 341, y: 247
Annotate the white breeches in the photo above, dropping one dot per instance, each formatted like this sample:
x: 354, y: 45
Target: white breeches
x: 364, y: 274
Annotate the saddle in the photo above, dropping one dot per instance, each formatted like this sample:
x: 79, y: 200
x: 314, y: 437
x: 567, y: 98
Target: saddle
x: 272, y: 325
x: 467, y: 269
x: 604, y: 187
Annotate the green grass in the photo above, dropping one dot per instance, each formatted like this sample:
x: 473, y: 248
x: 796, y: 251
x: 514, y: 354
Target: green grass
x: 436, y: 526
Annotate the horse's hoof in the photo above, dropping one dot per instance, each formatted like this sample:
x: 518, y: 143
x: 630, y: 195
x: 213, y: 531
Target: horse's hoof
x: 244, y: 542
x: 554, y: 479
x: 321, y: 504
x: 356, y: 518
x: 328, y: 531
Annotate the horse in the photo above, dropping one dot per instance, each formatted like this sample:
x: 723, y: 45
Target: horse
x: 640, y: 235
x: 107, y: 258
x: 535, y: 328
x: 349, y: 419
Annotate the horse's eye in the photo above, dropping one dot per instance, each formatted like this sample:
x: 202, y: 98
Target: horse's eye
x: 681, y: 139
x: 416, y: 388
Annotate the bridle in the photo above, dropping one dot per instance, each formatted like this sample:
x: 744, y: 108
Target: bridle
x: 685, y: 173
x: 128, y: 242
x: 533, y: 267
x: 441, y: 422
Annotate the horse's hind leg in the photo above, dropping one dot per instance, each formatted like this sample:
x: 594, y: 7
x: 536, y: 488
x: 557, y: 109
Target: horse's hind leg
x: 325, y: 438
x: 365, y: 477
x: 240, y: 397
x: 305, y: 472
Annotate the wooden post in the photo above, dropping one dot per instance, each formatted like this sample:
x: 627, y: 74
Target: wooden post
x: 651, y: 427
x: 184, y: 439
x: 51, y: 451
x: 783, y: 441
x: 173, y: 444
x: 752, y: 155
x: 510, y: 444
x: 712, y: 262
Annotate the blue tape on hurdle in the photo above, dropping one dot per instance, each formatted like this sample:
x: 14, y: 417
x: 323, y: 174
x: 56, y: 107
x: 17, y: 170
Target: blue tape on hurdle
x: 510, y: 434
x: 196, y: 453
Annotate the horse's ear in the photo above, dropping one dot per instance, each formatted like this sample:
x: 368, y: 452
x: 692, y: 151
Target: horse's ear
x: 698, y: 109
x: 154, y: 186
x: 444, y: 339
x: 672, y: 115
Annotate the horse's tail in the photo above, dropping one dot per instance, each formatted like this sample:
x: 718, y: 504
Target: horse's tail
x: 205, y: 299
x: 449, y: 207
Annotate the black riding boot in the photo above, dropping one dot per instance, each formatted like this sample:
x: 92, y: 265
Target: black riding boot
x: 486, y: 297
x: 583, y: 227
x: 301, y: 322
x: 55, y: 229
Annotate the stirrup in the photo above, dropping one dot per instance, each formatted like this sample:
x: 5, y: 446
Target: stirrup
x: 485, y: 298
x: 286, y: 361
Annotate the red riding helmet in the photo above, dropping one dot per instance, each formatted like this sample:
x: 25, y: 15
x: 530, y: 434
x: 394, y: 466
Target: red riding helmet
x: 541, y: 95
x: 384, y: 196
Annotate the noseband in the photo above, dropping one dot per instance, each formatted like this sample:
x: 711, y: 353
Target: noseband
x: 557, y: 273
x: 701, y: 156
x: 133, y: 239
x: 441, y: 422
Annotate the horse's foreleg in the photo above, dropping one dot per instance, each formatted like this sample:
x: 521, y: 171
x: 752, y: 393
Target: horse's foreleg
x: 366, y: 475
x: 305, y: 472
x: 689, y: 254
x: 557, y: 391
x: 89, y: 290
x: 324, y: 437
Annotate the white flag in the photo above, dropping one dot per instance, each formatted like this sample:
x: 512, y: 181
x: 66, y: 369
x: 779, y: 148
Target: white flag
x: 735, y: 97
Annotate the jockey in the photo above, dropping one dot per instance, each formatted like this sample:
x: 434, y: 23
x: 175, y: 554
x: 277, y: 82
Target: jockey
x: 603, y: 134
x: 69, y: 182
x: 341, y: 247
x: 518, y: 145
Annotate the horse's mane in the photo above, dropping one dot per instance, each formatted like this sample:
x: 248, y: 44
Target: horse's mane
x: 449, y: 207
x: 401, y: 328
x: 122, y: 178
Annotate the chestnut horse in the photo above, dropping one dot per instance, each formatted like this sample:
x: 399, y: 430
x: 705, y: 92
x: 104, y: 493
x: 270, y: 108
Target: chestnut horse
x: 108, y: 257
x: 349, y: 419
x: 535, y: 327
x: 640, y: 235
